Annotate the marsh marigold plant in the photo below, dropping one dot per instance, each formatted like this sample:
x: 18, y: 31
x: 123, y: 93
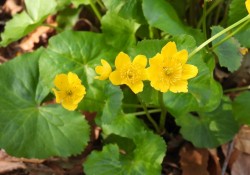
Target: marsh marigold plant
x: 129, y: 73
x: 168, y: 70
x: 103, y: 71
x: 248, y: 5
x: 69, y: 90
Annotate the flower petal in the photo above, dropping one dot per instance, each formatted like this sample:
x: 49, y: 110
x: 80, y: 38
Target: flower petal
x: 169, y: 50
x: 99, y: 69
x: 69, y: 104
x: 137, y: 87
x: 189, y: 71
x: 115, y: 78
x: 162, y: 86
x: 156, y: 61
x: 103, y: 70
x: 181, y: 56
x: 61, y: 81
x: 121, y: 60
x: 140, y: 60
x: 60, y: 95
x: 73, y: 79
x: 180, y: 86
x: 248, y: 5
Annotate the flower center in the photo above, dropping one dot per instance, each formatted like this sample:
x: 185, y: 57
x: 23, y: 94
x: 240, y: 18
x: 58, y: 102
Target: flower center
x: 69, y: 92
x: 167, y: 70
x: 130, y: 74
x: 172, y: 72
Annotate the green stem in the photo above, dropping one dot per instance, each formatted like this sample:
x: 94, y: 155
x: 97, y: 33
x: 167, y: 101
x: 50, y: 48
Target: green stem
x: 151, y: 32
x: 163, y: 112
x: 148, y: 116
x: 237, y: 89
x: 97, y: 13
x: 204, y: 24
x: 217, y: 2
x: 124, y: 104
x: 101, y: 4
x: 218, y: 35
x: 230, y: 35
x: 143, y: 112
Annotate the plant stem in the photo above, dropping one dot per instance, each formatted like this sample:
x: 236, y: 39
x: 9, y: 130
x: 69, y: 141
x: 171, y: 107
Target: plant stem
x: 148, y: 116
x: 230, y: 35
x: 143, y: 112
x: 101, y: 4
x: 218, y: 35
x: 237, y: 89
x: 217, y: 2
x: 228, y: 155
x: 97, y: 13
x: 204, y: 24
x: 163, y: 112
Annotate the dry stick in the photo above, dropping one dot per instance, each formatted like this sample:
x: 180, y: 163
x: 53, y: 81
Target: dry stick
x: 229, y: 153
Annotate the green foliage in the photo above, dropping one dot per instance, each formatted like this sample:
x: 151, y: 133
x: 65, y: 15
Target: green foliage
x: 209, y: 129
x: 27, y: 125
x: 25, y: 22
x: 241, y: 107
x: 77, y: 52
x: 236, y: 12
x: 32, y: 125
x: 161, y: 14
x: 228, y: 52
x: 129, y: 9
x: 138, y: 161
x: 120, y: 29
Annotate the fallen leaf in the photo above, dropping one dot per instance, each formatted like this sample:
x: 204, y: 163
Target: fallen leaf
x: 194, y: 161
x: 12, y: 7
x: 242, y: 165
x: 214, y: 167
x: 7, y: 163
x: 28, y: 42
x: 242, y: 142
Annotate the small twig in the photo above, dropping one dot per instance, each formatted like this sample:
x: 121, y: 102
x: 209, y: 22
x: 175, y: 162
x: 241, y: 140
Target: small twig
x: 228, y: 156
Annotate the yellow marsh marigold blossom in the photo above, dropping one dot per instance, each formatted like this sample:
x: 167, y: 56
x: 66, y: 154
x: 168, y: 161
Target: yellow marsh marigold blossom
x: 69, y: 90
x: 248, y: 5
x: 169, y: 71
x: 103, y: 70
x: 130, y: 73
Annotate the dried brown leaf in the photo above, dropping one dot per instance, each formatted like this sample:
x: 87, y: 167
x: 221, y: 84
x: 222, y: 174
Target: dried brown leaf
x: 242, y: 165
x: 194, y: 161
x: 242, y: 142
x: 12, y: 7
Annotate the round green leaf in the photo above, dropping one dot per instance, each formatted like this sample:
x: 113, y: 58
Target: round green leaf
x: 241, y: 106
x: 25, y: 22
x: 29, y: 129
x: 228, y: 52
x: 209, y: 130
x: 129, y: 9
x: 78, y: 52
x: 118, y: 32
x: 160, y: 14
x: 140, y: 161
x: 113, y: 103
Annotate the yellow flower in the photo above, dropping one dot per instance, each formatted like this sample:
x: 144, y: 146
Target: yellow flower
x: 248, y: 5
x: 103, y: 70
x: 69, y: 91
x: 129, y: 73
x: 169, y: 71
